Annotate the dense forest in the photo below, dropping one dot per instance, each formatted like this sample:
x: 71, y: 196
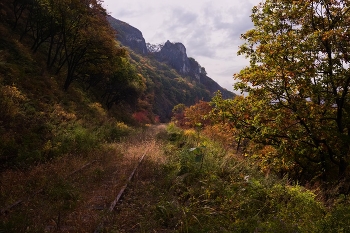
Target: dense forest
x: 78, y: 108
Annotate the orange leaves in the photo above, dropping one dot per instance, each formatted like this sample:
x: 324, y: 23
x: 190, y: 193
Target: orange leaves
x: 191, y: 116
x: 223, y: 133
x: 197, y: 114
x: 208, y: 118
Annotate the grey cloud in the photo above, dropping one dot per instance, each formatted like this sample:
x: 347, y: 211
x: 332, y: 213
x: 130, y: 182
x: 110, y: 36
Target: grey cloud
x: 232, y: 22
x: 185, y: 27
x: 180, y: 18
x: 200, y: 46
x: 125, y: 13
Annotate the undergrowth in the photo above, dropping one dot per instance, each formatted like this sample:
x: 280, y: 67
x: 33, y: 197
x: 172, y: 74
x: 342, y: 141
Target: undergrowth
x: 40, y: 121
x: 212, y: 190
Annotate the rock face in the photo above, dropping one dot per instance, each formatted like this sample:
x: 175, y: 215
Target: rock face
x: 128, y: 35
x: 173, y: 54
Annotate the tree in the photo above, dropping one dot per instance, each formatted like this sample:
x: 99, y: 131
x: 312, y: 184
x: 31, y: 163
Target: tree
x: 125, y: 85
x: 88, y: 41
x: 195, y: 115
x: 298, y: 83
x: 77, y: 34
x: 179, y: 115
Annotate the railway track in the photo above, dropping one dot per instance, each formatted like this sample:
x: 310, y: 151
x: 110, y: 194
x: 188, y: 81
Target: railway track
x: 83, y: 199
x: 99, y: 207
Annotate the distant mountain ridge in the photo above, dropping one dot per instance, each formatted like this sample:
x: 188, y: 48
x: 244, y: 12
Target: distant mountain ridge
x: 172, y: 54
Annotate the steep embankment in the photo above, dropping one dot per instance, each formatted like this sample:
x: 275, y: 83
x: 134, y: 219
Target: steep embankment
x: 38, y: 119
x: 41, y: 118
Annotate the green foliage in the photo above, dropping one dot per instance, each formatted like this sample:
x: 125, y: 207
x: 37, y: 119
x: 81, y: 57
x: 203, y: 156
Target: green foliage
x: 115, y: 132
x: 166, y: 213
x: 75, y: 37
x: 63, y: 194
x: 191, y: 160
x: 298, y: 88
x: 125, y: 85
x: 165, y: 88
x: 223, y: 193
x: 174, y: 133
x: 39, y: 121
x: 338, y: 219
x: 75, y: 139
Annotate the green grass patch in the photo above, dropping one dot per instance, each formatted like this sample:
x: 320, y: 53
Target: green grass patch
x: 212, y: 190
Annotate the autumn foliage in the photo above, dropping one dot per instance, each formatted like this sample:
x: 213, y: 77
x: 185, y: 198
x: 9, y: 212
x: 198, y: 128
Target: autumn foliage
x: 294, y: 117
x: 141, y: 117
x: 196, y: 115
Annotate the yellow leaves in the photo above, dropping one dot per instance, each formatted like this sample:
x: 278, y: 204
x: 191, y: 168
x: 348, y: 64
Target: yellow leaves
x: 122, y: 126
x: 62, y: 115
x: 98, y: 108
x: 13, y: 93
x: 223, y: 133
x: 190, y: 133
x: 11, y: 99
x: 327, y: 35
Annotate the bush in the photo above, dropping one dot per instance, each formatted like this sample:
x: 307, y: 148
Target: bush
x: 175, y: 134
x: 75, y: 139
x: 219, y: 192
x: 338, y: 220
x: 115, y: 132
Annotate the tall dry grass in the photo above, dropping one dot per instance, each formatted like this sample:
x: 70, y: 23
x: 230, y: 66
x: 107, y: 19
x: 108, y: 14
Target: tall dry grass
x: 73, y: 193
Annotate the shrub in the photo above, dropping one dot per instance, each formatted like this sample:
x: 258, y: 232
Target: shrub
x: 75, y: 139
x: 116, y: 131
x: 175, y: 134
x: 219, y: 192
x: 338, y: 219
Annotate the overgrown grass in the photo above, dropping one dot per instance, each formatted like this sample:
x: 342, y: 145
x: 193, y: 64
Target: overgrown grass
x: 187, y: 183
x: 210, y: 189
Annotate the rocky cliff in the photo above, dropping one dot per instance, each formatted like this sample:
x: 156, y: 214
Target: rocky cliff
x: 128, y: 35
x: 173, y: 54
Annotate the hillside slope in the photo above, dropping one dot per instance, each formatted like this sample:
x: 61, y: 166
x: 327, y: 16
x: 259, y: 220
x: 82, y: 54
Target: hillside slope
x: 39, y: 120
x: 165, y: 88
x: 171, y: 57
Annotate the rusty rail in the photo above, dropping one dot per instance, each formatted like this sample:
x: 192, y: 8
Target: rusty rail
x: 114, y: 203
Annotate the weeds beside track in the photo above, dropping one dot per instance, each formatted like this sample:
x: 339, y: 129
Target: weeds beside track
x: 64, y: 196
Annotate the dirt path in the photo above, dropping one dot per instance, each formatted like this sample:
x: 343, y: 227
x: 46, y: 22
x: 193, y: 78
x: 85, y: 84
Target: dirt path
x: 80, y: 202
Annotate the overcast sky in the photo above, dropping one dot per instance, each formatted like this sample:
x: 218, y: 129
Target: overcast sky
x: 210, y: 30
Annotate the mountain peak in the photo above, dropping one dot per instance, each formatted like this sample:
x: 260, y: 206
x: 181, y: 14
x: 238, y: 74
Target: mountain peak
x: 128, y: 35
x: 172, y: 53
x: 175, y: 55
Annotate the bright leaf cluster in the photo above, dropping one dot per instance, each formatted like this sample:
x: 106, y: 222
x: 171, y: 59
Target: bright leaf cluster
x: 298, y: 83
